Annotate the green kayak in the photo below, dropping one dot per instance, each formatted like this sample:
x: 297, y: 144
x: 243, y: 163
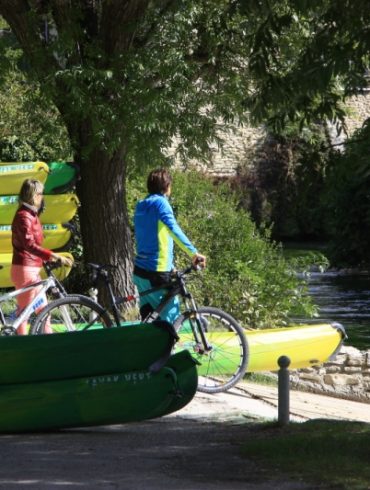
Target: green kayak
x: 62, y: 177
x: 114, y: 398
x: 61, y: 356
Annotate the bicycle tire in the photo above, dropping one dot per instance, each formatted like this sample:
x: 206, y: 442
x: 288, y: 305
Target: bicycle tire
x: 69, y: 314
x: 222, y: 367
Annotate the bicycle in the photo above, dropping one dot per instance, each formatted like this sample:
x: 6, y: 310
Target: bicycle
x: 66, y: 313
x: 214, y: 337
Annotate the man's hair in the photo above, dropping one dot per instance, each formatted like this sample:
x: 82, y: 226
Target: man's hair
x: 29, y: 189
x: 158, y: 181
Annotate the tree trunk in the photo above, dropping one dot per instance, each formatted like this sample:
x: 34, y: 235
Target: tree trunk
x: 103, y: 215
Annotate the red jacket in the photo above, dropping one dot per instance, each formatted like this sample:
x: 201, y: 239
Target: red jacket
x: 27, y: 238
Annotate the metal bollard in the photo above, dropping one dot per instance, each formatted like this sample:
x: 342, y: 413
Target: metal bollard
x: 283, y: 390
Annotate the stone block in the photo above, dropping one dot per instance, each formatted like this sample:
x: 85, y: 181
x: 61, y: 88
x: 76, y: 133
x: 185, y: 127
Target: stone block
x: 355, y: 360
x: 333, y: 369
x: 350, y: 351
x: 310, y: 377
x: 352, y: 369
x: 341, y: 380
x: 339, y: 363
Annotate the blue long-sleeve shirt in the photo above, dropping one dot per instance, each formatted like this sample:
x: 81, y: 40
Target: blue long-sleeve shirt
x: 156, y: 229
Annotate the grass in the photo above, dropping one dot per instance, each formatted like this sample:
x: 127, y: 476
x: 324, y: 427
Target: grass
x: 325, y: 451
x: 9, y: 306
x: 261, y: 378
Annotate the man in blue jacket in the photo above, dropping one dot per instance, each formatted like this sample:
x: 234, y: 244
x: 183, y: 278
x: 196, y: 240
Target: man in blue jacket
x: 156, y: 230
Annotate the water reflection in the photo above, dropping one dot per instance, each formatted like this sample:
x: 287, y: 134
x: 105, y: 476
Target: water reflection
x: 345, y: 298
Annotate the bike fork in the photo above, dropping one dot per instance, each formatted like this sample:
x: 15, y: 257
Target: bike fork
x: 202, y: 344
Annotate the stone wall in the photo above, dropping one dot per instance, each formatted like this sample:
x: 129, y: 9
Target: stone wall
x: 347, y: 376
x: 241, y: 143
x: 359, y: 110
x: 240, y: 146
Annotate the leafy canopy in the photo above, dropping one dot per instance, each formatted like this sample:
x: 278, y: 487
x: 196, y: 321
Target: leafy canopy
x: 307, y: 56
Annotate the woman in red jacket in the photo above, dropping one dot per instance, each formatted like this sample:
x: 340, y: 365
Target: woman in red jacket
x: 28, y: 254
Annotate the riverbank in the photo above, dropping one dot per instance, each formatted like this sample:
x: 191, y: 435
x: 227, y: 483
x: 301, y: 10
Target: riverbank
x: 347, y: 376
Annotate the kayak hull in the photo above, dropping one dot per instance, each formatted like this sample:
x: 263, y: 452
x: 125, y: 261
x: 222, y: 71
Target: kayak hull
x: 12, y: 175
x: 56, y: 236
x: 59, y: 208
x: 305, y: 346
x: 6, y: 263
x: 36, y: 358
x: 61, y: 178
x: 98, y: 400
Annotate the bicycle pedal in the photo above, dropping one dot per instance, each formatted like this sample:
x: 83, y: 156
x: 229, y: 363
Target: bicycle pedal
x: 7, y: 331
x: 198, y: 348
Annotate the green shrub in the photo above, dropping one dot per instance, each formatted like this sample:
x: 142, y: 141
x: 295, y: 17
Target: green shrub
x: 348, y: 200
x: 247, y: 274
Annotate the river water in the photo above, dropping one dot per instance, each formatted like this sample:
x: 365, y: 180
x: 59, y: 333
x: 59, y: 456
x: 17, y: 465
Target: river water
x: 344, y: 298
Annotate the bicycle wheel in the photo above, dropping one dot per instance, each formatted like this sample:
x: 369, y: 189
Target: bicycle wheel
x: 69, y: 314
x: 221, y: 367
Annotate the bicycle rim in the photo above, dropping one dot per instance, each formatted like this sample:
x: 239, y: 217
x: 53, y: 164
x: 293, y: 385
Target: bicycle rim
x: 70, y: 314
x: 225, y: 364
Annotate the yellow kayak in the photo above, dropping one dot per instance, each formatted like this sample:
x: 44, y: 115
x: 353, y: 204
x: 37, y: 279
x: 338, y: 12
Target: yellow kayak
x: 305, y: 345
x: 59, y: 208
x: 56, y: 236
x: 12, y: 175
x: 6, y: 262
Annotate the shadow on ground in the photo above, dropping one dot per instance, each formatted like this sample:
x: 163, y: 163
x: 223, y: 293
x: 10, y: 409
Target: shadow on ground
x: 167, y: 453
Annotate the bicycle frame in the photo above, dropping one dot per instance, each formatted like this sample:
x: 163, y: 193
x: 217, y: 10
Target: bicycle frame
x: 179, y: 289
x: 35, y: 304
x: 175, y: 288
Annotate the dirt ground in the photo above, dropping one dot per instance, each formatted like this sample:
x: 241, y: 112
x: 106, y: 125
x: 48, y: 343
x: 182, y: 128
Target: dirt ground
x: 168, y: 453
x: 197, y: 448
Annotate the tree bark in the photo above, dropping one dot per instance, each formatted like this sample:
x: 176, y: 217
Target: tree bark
x: 103, y: 215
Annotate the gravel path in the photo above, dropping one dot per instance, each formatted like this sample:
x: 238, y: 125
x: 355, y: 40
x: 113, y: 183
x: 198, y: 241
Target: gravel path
x: 197, y: 448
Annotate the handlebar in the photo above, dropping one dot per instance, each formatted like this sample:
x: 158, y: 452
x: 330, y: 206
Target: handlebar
x: 188, y: 270
x: 102, y: 270
x: 49, y: 266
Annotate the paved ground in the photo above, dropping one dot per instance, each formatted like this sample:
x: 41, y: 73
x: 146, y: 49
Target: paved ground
x: 253, y: 400
x: 194, y: 449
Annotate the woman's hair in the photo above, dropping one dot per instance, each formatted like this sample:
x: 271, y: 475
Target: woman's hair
x: 29, y: 189
x: 158, y: 181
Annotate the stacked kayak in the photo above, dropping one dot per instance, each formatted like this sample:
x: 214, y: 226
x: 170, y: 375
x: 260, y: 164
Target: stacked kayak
x: 57, y: 177
x: 61, y: 206
x: 104, y: 376
x: 6, y: 263
x: 12, y: 175
x: 55, y: 236
x: 62, y: 177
